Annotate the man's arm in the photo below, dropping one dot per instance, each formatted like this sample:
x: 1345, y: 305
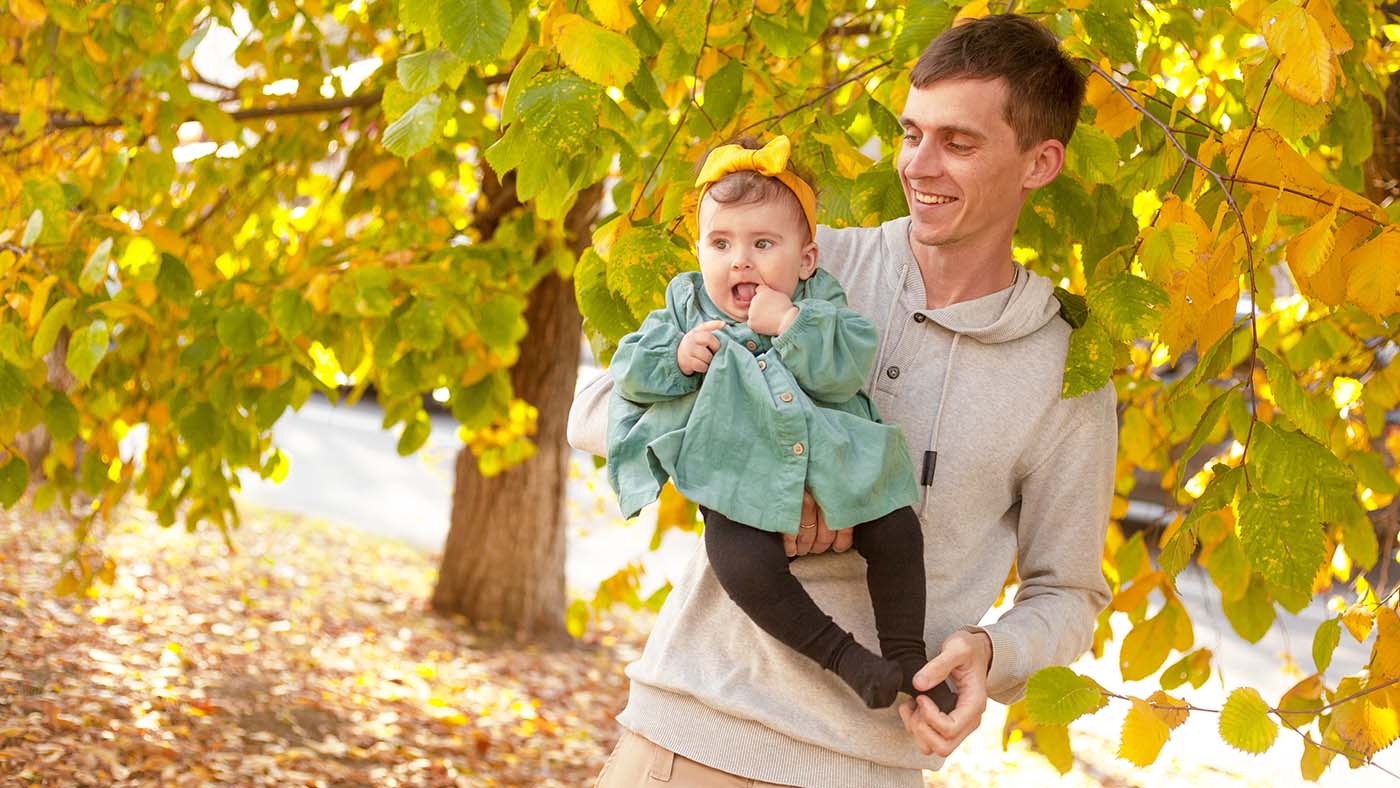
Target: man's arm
x: 1065, y: 502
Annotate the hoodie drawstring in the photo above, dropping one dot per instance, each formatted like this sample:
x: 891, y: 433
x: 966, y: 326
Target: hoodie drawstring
x: 931, y: 453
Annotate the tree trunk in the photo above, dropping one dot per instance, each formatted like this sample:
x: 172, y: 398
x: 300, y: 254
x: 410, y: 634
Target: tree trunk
x: 1383, y: 168
x: 503, y: 563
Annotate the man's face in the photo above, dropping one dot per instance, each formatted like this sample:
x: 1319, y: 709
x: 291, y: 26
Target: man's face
x: 963, y: 173
x: 743, y: 245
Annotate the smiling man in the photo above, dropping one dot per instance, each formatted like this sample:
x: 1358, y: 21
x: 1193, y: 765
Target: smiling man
x: 969, y: 366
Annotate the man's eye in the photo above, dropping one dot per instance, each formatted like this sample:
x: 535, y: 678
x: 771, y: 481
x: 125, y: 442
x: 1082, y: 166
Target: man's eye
x: 910, y: 137
x: 958, y: 147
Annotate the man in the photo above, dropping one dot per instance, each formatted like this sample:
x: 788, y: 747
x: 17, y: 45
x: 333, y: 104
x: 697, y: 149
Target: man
x: 970, y: 366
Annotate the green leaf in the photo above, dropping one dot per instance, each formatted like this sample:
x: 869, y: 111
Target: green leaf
x: 32, y: 228
x: 1204, y: 427
x: 1167, y: 251
x: 560, y: 110
x: 475, y: 30
x: 1089, y: 363
x: 14, y: 477
x: 1074, y: 308
x: 923, y: 20
x: 878, y: 195
x: 174, y: 281
x: 422, y: 325
x: 1059, y: 696
x: 1092, y: 155
x: 1284, y: 544
x: 640, y: 264
x: 14, y: 346
x: 241, y: 329
x: 271, y: 404
x: 201, y: 427
x: 520, y: 76
x: 1359, y: 539
x: 86, y: 349
x: 500, y: 322
x: 61, y: 418
x: 415, y: 434
x: 1371, y: 472
x: 95, y: 270
x: 722, y: 92
x: 1324, y: 644
x: 414, y: 129
x: 606, y: 316
x: 291, y: 314
x: 1286, y: 463
x: 1112, y: 36
x: 54, y: 321
x: 13, y: 387
x: 1245, y: 723
x: 419, y: 15
x: 421, y: 72
x: 476, y: 405
x: 1252, y: 614
x: 1300, y: 406
x: 1129, y: 307
x: 1194, y: 667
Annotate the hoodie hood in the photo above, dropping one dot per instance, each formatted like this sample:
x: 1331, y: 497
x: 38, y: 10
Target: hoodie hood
x: 1031, y: 304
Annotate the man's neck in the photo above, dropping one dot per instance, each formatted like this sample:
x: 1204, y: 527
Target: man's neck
x: 953, y: 274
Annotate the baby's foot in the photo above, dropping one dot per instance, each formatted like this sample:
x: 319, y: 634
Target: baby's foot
x: 875, y: 679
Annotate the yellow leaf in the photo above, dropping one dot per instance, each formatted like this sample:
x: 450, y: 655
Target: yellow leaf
x: 616, y: 14
x: 1336, y: 34
x: 1361, y: 724
x: 972, y: 10
x: 1244, y: 722
x: 1144, y: 733
x: 1385, y: 653
x: 1052, y: 741
x: 1358, y: 620
x: 1269, y: 162
x: 596, y: 53
x: 1373, y: 281
x: 769, y: 6
x: 166, y: 239
x: 1113, y: 114
x: 1171, y: 711
x: 1329, y: 284
x: 30, y: 12
x: 94, y: 50
x: 1306, y: 69
x: 1308, y: 250
x: 40, y: 301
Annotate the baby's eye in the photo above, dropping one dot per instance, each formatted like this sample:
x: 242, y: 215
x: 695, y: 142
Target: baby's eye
x: 763, y: 243
x: 720, y: 244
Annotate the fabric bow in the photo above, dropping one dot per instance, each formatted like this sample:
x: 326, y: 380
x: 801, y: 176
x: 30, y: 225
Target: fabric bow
x: 770, y: 160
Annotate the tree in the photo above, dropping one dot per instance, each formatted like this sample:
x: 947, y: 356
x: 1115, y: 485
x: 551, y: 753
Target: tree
x: 1212, y: 234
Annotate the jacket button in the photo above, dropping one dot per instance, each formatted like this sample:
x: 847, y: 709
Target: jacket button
x: 798, y: 448
x: 785, y: 396
x: 751, y: 345
x: 919, y: 317
x: 762, y: 365
x: 892, y: 372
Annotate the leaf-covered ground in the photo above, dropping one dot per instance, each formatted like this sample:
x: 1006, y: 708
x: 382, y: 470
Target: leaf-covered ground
x: 308, y: 658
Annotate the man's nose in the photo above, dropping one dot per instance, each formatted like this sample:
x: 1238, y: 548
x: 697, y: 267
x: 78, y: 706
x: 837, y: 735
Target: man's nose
x: 923, y: 161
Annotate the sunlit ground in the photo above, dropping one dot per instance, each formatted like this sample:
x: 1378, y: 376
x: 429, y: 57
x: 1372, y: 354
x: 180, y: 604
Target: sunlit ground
x: 307, y: 658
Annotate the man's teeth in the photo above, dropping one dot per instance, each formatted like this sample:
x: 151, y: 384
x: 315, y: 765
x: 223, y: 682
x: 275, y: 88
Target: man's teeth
x: 933, y: 199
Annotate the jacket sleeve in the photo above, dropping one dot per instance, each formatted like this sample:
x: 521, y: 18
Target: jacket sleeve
x: 828, y: 348
x: 644, y: 367
x: 1065, y: 502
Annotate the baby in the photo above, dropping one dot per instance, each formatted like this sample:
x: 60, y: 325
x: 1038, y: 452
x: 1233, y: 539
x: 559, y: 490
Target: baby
x: 744, y: 390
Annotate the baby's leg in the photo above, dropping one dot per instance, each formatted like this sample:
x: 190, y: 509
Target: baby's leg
x: 753, y: 569
x: 893, y: 547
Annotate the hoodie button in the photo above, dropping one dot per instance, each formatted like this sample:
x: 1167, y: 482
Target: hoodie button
x: 919, y: 317
x: 786, y: 396
x: 893, y: 372
x: 798, y: 448
x: 751, y: 345
x: 762, y: 365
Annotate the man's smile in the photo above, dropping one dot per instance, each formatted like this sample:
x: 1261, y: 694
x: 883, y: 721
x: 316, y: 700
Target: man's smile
x: 926, y: 198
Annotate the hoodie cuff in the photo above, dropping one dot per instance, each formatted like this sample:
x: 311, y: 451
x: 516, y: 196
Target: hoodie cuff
x: 1006, y: 678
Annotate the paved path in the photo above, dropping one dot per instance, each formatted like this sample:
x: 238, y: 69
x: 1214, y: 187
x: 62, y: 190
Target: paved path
x: 344, y: 468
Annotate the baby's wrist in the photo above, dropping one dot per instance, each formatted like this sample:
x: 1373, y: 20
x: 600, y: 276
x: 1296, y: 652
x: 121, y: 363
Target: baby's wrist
x: 787, y: 319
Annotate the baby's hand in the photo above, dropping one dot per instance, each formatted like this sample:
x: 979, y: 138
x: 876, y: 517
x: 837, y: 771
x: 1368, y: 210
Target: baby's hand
x: 698, y: 347
x: 770, y: 312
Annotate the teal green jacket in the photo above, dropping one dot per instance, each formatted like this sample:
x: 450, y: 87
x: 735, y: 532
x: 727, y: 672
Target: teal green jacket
x: 770, y: 416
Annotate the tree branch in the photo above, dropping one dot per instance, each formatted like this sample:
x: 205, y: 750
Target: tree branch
x: 309, y: 108
x: 829, y: 90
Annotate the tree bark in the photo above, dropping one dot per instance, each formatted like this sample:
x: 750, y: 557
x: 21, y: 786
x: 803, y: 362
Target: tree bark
x: 503, y: 563
x: 1383, y: 168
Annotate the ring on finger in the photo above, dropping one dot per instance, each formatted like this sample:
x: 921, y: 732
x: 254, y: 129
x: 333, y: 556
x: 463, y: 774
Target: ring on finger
x: 812, y: 524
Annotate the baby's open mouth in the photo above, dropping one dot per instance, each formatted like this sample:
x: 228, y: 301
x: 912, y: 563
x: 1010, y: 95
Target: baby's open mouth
x: 744, y: 292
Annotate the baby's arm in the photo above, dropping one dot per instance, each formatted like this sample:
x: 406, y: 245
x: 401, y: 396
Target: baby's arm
x: 828, y: 348
x: 645, y: 368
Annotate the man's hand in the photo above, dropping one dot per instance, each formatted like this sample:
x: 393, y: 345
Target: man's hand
x: 770, y: 312
x: 816, y: 538
x: 698, y: 347
x: 966, y: 657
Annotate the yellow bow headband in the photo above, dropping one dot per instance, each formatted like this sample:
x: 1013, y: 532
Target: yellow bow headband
x: 770, y: 160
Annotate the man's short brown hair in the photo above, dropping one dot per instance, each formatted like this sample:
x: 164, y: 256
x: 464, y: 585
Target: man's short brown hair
x: 1044, y: 90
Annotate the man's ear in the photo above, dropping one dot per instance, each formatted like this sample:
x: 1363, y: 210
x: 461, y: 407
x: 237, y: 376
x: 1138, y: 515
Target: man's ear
x: 1045, y: 164
x: 808, y: 265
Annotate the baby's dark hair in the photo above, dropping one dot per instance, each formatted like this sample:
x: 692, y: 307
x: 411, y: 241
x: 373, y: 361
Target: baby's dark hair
x: 748, y: 187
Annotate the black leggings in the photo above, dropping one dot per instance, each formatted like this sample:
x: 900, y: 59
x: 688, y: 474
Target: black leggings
x: 753, y: 569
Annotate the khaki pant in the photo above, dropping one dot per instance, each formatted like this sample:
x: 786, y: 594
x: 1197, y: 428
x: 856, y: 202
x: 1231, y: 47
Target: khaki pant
x: 637, y: 763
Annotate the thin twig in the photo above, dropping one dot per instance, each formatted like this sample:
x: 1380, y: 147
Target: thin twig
x: 769, y: 121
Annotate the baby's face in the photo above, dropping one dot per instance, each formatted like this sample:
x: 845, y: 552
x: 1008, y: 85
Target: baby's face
x: 742, y: 246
